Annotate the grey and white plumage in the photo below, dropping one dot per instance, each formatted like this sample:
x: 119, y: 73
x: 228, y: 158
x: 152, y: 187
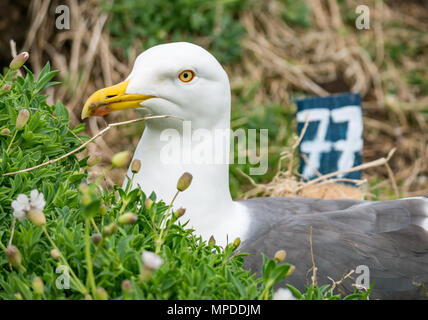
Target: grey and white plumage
x: 390, y: 238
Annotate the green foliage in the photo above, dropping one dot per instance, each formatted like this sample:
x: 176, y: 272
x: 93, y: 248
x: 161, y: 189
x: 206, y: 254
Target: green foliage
x: 45, y: 136
x: 192, y: 269
x: 419, y: 79
x: 155, y: 22
x: 297, y: 13
x: 325, y: 292
x: 279, y: 120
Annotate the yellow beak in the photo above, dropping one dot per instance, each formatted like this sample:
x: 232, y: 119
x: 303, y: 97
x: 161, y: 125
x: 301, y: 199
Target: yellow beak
x: 112, y: 99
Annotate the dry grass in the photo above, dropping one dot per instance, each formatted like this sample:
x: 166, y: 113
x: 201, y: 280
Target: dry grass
x: 87, y: 63
x: 327, y: 58
x: 333, y: 57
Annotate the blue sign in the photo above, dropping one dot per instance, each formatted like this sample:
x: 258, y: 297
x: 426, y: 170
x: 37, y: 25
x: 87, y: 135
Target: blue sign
x: 334, y: 138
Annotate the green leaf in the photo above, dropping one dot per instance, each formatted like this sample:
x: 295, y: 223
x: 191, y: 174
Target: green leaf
x: 61, y: 111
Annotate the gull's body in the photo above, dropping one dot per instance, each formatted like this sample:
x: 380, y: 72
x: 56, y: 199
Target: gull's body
x: 208, y: 202
x: 390, y: 238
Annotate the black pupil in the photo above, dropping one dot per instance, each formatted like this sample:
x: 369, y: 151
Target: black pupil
x: 185, y: 75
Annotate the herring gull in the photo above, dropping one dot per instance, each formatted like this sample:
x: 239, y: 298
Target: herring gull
x: 389, y: 238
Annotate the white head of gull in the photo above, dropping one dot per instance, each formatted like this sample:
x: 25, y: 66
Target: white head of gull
x: 390, y: 239
x: 186, y: 81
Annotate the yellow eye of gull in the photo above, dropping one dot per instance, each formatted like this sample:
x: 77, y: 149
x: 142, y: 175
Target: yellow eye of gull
x: 186, y: 75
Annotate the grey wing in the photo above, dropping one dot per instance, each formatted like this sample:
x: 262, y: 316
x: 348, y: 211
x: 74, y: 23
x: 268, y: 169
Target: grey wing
x: 276, y: 205
x: 389, y: 238
x: 266, y: 212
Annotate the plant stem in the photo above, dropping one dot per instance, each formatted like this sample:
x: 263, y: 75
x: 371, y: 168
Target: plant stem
x: 4, y: 78
x: 265, y: 292
x: 160, y: 239
x: 129, y: 186
x: 95, y: 225
x: 172, y: 202
x: 79, y: 286
x: 90, y: 273
x: 97, y: 250
x: 125, y: 203
x: 13, y: 231
x: 11, y: 141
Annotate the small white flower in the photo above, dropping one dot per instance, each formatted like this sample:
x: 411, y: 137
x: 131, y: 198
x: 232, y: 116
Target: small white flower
x: 23, y: 204
x: 283, y: 294
x: 151, y: 260
x: 37, y: 199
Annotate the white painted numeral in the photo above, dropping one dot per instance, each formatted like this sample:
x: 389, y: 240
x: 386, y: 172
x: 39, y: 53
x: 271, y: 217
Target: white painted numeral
x: 314, y: 148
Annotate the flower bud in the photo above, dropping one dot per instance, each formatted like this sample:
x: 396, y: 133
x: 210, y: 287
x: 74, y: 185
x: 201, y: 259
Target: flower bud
x: 102, y: 210
x: 37, y: 217
x: 7, y: 87
x: 5, y: 132
x: 84, y: 188
x: 184, y: 181
x: 88, y: 297
x: 128, y: 218
x: 55, y: 254
x: 121, y: 159
x: 22, y: 119
x: 237, y: 242
x: 86, y: 199
x: 126, y: 286
x: 180, y: 212
x: 13, y: 256
x: 290, y: 271
x: 148, y: 203
x: 101, y: 294
x: 96, y: 238
x: 19, y: 61
x: 280, y: 255
x: 110, y: 229
x: 135, y: 166
x: 211, y: 241
x: 18, y: 296
x: 145, y: 274
x: 38, y: 285
x: 94, y: 159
